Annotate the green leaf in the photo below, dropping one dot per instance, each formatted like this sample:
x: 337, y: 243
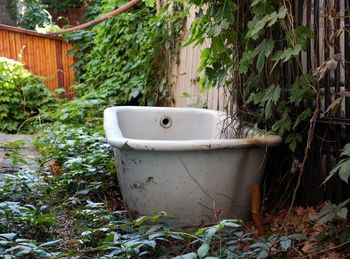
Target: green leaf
x: 344, y: 171
x: 344, y: 236
x: 333, y: 172
x: 245, y: 61
x: 209, y: 233
x: 296, y: 50
x: 303, y: 34
x: 8, y: 236
x: 149, y: 3
x: 203, y: 250
x: 286, y: 244
x: 293, y: 140
x: 342, y: 213
x: 50, y: 243
x: 186, y: 256
x: 256, y: 2
x: 297, y: 236
x: 282, y: 12
x: 346, y: 150
x: 273, y: 93
x: 269, y: 47
x: 217, y: 29
x: 260, y: 62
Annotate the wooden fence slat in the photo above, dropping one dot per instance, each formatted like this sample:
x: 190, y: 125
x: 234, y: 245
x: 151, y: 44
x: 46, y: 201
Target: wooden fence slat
x: 45, y: 56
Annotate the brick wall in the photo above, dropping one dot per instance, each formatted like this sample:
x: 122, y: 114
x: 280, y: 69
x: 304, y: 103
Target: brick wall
x: 5, y: 16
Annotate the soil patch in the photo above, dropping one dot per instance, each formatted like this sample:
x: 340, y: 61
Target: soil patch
x: 16, y: 152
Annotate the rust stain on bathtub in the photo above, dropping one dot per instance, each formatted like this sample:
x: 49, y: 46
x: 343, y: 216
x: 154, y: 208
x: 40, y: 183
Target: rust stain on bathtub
x: 256, y: 142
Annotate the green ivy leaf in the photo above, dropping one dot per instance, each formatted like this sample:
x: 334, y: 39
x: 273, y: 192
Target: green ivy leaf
x: 286, y: 243
x: 346, y: 151
x: 293, y: 139
x: 260, y: 62
x: 149, y: 3
x: 203, y: 250
x: 245, y: 61
x: 186, y: 256
x: 344, y: 171
x: 256, y: 2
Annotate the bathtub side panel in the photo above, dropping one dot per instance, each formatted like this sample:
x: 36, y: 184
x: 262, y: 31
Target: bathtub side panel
x: 195, y: 185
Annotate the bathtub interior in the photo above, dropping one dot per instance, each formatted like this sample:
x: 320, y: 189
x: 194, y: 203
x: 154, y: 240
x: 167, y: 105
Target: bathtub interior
x: 169, y: 124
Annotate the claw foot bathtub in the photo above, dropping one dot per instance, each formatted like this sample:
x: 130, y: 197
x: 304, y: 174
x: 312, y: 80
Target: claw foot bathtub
x: 176, y: 160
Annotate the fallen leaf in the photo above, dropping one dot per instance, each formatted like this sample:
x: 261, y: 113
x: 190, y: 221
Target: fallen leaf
x: 307, y: 247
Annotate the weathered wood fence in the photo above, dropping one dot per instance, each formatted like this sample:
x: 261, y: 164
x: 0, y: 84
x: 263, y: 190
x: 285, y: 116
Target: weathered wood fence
x: 44, y: 55
x: 184, y: 77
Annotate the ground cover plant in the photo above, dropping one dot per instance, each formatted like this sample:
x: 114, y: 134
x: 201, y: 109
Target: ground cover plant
x: 71, y: 206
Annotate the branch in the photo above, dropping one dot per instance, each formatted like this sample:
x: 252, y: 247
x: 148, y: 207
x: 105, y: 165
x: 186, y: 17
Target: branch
x: 310, y: 138
x: 326, y: 250
x: 101, y: 19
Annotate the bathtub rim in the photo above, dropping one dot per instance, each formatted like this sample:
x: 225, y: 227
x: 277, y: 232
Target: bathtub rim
x: 116, y: 139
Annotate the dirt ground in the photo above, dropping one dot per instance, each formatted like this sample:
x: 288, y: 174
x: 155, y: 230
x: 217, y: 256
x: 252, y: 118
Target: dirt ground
x: 14, y: 150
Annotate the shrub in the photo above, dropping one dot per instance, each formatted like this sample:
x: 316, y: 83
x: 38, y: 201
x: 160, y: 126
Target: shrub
x: 30, y: 14
x: 22, y: 94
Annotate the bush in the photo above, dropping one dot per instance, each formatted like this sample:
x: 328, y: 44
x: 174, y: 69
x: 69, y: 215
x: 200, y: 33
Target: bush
x: 31, y: 14
x: 22, y: 94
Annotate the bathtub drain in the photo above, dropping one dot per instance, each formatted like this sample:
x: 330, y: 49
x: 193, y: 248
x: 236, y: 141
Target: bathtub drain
x: 166, y: 122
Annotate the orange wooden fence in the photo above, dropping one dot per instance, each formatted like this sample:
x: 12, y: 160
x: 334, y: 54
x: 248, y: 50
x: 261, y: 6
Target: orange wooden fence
x: 43, y: 55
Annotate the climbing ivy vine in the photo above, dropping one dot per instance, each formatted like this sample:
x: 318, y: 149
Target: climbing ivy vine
x: 125, y: 59
x: 254, y: 52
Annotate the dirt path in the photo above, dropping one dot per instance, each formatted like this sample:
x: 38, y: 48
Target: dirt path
x: 14, y: 150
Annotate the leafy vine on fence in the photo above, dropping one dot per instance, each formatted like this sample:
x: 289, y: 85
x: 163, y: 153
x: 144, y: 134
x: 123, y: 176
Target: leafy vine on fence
x: 128, y: 57
x: 250, y: 54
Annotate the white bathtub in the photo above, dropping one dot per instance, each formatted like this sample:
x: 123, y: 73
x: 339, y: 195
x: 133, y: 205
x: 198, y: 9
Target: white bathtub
x: 176, y: 160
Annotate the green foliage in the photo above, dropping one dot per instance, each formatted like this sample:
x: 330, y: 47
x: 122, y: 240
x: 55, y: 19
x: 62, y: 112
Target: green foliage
x: 22, y: 95
x: 121, y: 64
x: 343, y: 167
x: 249, y: 55
x: 63, y: 5
x: 18, y: 212
x: 128, y: 58
x: 11, y: 247
x: 85, y: 159
x: 331, y: 212
x: 31, y: 14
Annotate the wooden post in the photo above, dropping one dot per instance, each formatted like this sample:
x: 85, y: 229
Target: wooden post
x: 158, y: 5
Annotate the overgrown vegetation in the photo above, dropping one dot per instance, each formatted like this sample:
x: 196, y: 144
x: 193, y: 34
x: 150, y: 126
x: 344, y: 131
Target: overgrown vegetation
x: 248, y: 56
x: 72, y: 207
x: 128, y: 56
x: 22, y: 95
x: 33, y: 14
x: 30, y: 14
x: 255, y: 50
